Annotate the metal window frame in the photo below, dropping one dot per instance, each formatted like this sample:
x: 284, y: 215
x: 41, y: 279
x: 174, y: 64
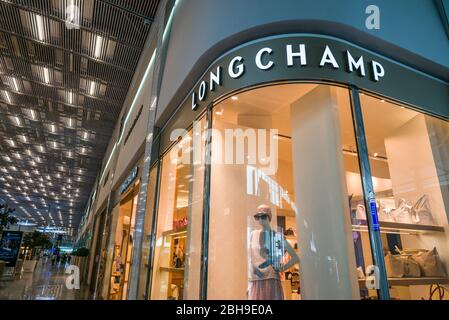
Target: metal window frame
x: 443, y: 9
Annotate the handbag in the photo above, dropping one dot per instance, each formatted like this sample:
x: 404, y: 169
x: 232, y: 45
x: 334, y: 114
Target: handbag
x: 403, y: 214
x: 384, y: 212
x: 360, y: 213
x: 402, y: 265
x: 430, y: 263
x: 421, y: 211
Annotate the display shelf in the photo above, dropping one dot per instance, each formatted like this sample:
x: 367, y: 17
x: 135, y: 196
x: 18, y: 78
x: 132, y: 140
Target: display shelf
x: 174, y: 232
x: 175, y: 270
x: 412, y: 281
x: 393, y: 227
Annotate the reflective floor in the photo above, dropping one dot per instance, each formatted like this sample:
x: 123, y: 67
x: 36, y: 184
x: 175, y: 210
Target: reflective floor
x: 47, y: 282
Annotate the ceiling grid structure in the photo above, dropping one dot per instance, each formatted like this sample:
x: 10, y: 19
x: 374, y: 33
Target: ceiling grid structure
x: 65, y: 69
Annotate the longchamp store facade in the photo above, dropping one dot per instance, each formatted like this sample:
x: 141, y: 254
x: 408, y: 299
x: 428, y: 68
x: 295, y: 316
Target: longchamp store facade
x: 289, y: 160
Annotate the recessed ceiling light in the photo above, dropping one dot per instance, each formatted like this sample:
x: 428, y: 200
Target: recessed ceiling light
x: 234, y: 98
x: 46, y: 75
x: 33, y: 114
x: 11, y: 143
x: 16, y: 85
x: 18, y: 122
x: 98, y: 46
x: 93, y: 86
x: 40, y: 27
x: 8, y: 97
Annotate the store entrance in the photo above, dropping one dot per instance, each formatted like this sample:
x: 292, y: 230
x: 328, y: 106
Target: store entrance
x: 123, y: 246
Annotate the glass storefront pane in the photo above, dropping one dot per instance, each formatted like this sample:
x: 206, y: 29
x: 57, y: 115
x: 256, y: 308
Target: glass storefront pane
x: 284, y: 176
x: 409, y: 154
x: 177, y: 253
x: 123, y: 246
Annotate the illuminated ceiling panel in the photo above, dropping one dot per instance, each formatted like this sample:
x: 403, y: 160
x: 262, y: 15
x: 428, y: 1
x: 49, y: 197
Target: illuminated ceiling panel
x: 61, y: 92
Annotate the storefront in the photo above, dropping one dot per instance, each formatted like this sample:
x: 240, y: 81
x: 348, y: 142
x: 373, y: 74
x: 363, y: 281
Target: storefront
x: 273, y: 158
x: 115, y: 246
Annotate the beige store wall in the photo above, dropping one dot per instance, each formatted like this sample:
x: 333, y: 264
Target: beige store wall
x: 137, y: 136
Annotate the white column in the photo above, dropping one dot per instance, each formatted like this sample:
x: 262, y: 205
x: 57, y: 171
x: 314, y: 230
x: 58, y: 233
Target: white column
x: 328, y: 268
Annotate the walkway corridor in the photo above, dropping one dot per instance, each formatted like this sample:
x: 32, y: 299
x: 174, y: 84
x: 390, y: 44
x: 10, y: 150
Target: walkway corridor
x: 46, y: 283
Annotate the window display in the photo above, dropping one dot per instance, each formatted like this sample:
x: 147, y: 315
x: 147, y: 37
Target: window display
x: 123, y: 244
x: 408, y: 155
x: 284, y: 163
x: 177, y: 251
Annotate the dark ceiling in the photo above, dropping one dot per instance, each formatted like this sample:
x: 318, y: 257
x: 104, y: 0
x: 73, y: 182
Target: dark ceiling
x: 62, y: 87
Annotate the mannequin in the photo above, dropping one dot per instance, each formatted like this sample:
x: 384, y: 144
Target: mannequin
x: 267, y: 248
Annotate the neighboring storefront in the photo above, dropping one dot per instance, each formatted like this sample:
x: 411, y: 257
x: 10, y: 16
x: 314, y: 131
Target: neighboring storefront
x: 295, y: 166
x: 115, y: 238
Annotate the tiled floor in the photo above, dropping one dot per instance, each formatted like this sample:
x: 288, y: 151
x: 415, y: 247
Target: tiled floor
x: 46, y: 283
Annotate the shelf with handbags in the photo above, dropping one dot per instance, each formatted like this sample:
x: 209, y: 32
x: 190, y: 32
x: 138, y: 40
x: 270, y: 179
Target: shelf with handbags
x: 409, y: 267
x: 405, y: 267
x: 176, y: 265
x: 402, y: 218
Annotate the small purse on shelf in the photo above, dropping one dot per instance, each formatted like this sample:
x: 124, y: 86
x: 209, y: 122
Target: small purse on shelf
x: 384, y: 213
x: 401, y: 266
x: 403, y: 213
x: 421, y: 211
x: 430, y: 263
x: 360, y: 213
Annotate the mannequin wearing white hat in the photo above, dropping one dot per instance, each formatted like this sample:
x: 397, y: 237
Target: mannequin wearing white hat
x: 267, y: 248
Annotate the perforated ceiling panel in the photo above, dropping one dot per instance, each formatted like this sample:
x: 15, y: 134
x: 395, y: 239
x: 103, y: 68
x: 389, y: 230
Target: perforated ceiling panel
x: 65, y: 69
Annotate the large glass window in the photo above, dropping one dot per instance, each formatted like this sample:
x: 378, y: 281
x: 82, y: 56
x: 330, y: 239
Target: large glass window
x: 409, y: 157
x: 123, y: 245
x: 177, y: 253
x: 285, y: 184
